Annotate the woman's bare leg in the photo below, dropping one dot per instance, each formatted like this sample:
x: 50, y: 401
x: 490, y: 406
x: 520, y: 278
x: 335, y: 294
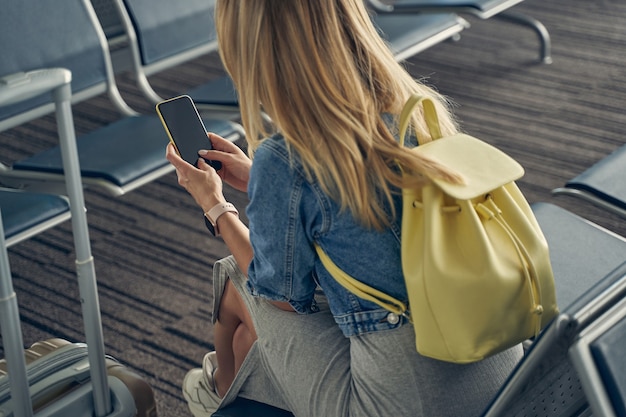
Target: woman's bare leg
x: 234, y: 335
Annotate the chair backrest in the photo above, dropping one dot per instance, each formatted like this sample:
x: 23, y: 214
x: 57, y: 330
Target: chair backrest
x: 162, y: 34
x: 165, y: 29
x: 109, y: 19
x: 545, y: 382
x: 50, y: 34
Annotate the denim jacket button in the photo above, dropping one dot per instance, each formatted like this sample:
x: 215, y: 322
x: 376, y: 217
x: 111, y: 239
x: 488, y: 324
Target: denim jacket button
x: 393, y: 318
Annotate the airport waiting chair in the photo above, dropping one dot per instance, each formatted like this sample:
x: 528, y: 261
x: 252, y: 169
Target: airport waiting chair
x: 589, y: 264
x: 599, y: 357
x: 603, y: 184
x: 163, y: 34
x: 406, y: 35
x: 545, y: 382
x: 483, y: 9
x: 118, y: 157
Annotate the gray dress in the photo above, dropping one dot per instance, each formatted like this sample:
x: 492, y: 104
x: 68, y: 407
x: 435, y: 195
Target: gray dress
x: 305, y: 364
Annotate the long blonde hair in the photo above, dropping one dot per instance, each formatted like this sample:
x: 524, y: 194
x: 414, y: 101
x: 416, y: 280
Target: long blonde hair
x: 321, y: 72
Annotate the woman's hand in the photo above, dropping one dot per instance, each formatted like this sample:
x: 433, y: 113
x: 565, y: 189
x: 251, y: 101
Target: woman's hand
x: 203, y: 183
x: 205, y: 186
x: 236, y: 165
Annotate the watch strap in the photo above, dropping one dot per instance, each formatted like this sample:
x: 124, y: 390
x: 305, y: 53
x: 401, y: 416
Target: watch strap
x: 216, y: 212
x: 209, y: 225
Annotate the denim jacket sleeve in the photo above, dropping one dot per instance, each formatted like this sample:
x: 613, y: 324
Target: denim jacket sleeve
x: 283, y: 262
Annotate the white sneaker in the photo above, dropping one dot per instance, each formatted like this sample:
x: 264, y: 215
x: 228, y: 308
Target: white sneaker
x: 209, y: 365
x: 199, y: 388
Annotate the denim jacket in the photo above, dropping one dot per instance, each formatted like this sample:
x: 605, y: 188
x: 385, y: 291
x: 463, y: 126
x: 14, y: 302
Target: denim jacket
x: 287, y: 214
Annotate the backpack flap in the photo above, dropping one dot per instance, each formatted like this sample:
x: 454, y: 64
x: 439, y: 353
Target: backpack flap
x: 483, y: 167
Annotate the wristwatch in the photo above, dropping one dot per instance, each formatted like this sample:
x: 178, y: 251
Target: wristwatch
x: 211, y: 216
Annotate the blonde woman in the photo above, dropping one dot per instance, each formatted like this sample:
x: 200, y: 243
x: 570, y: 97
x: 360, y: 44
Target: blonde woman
x: 325, y: 172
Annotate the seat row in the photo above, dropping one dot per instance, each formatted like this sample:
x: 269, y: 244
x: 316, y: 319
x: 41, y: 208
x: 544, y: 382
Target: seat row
x: 129, y: 153
x: 57, y: 54
x: 156, y: 36
x: 40, y: 62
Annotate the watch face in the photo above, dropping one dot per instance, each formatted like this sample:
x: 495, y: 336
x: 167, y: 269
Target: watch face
x: 209, y: 225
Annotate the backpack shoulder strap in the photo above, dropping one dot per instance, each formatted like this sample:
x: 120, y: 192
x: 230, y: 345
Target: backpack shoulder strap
x: 360, y: 289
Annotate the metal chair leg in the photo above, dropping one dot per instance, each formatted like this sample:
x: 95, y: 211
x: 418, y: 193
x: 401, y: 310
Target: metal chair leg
x: 538, y: 27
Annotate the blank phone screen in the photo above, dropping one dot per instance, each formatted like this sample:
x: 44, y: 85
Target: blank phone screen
x: 185, y: 127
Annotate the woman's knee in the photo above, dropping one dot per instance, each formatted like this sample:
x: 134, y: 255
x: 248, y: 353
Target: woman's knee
x: 243, y: 339
x: 233, y: 310
x: 229, y: 304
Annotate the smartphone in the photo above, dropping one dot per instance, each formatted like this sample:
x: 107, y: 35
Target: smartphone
x: 185, y: 128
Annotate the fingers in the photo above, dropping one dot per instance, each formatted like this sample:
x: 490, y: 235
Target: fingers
x: 221, y: 144
x: 183, y: 169
x: 224, y: 151
x: 172, y: 156
x: 203, y: 165
x: 178, y: 163
x: 215, y: 155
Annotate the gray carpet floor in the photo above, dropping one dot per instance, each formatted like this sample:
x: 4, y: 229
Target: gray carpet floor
x: 154, y: 258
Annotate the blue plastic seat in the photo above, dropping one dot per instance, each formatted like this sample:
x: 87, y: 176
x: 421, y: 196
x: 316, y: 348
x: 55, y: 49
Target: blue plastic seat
x: 26, y: 214
x: 581, y: 252
x: 243, y: 408
x: 483, y: 9
x: 118, y: 157
x: 410, y: 34
x: 603, y: 184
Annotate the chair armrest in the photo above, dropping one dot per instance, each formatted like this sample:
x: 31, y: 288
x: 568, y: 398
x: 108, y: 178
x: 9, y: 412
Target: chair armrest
x: 21, y: 86
x: 484, y: 9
